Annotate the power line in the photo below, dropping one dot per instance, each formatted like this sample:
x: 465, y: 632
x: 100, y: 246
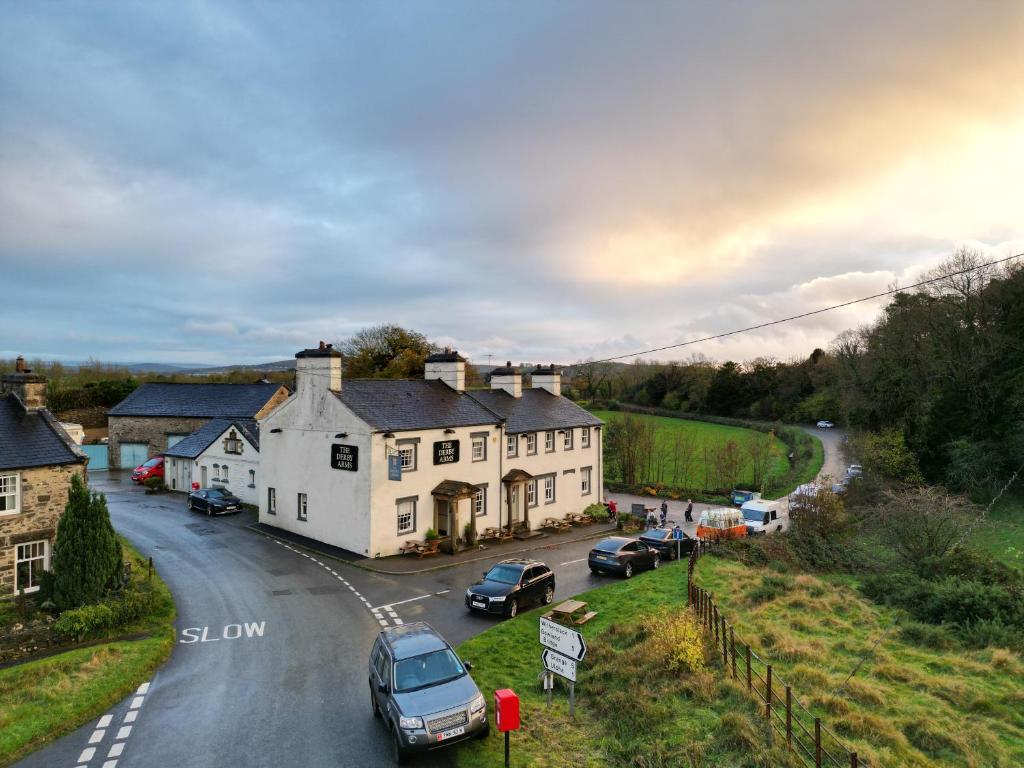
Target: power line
x: 807, y: 314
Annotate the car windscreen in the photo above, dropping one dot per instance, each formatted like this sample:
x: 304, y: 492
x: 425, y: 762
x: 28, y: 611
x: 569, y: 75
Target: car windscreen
x: 656, y: 533
x: 217, y: 493
x: 609, y: 545
x: 505, y: 574
x: 153, y: 463
x: 426, y: 670
x: 753, y: 516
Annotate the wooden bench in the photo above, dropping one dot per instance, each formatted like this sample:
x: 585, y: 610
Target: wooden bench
x: 420, y: 548
x: 574, y: 518
x: 551, y: 523
x: 570, y: 613
x: 491, y: 533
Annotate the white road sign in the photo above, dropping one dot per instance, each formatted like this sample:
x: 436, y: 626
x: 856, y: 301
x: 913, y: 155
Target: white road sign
x: 559, y: 664
x: 567, y: 642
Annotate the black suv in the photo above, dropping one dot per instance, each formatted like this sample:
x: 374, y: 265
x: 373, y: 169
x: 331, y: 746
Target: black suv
x: 665, y: 543
x: 510, y: 585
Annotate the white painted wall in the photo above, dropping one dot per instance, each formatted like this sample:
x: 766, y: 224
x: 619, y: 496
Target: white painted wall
x: 239, y: 465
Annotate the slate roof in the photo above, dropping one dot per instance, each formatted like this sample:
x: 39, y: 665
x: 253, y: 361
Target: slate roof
x: 203, y: 438
x: 393, y: 405
x: 33, y: 439
x: 208, y: 401
x: 536, y: 410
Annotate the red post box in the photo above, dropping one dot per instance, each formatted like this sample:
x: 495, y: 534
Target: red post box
x: 506, y: 710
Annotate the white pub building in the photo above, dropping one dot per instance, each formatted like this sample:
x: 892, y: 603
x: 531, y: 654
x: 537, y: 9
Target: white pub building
x: 371, y: 464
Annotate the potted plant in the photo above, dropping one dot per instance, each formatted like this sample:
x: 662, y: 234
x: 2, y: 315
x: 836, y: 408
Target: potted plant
x: 431, y: 535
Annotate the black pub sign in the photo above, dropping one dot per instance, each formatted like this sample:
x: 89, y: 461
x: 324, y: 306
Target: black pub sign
x: 446, y: 451
x: 345, y: 457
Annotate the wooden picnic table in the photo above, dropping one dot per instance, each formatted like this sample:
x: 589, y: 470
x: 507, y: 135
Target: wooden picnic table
x: 571, y: 612
x: 421, y: 548
x: 555, y: 524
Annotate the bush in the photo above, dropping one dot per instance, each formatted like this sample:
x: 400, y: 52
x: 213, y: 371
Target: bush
x: 431, y: 535
x: 155, y: 484
x: 597, y: 511
x: 94, y: 620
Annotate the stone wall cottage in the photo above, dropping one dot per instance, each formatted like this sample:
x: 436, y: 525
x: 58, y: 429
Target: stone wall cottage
x: 157, y: 416
x: 225, y: 453
x: 37, y: 460
x: 368, y: 465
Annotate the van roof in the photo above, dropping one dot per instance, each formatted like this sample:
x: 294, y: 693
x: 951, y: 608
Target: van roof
x: 759, y: 504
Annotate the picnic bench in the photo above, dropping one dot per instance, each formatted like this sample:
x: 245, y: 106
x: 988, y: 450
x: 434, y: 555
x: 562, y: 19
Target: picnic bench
x: 578, y: 518
x: 496, y: 534
x: 421, y: 548
x: 570, y: 613
x: 554, y: 524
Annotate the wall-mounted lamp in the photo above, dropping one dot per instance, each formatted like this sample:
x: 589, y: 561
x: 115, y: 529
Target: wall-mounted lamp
x: 342, y: 434
x: 561, y: 431
x: 449, y: 431
x: 275, y: 430
x: 388, y: 434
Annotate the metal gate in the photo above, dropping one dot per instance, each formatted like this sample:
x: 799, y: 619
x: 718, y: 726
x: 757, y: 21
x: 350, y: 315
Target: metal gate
x: 98, y: 457
x: 133, y: 454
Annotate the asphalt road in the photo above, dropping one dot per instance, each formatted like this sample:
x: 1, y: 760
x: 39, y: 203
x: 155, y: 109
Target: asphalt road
x: 269, y: 667
x: 832, y: 441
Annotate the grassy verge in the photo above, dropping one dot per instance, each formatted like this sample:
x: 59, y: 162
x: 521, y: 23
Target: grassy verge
x: 45, y: 699
x: 1003, y: 533
x: 919, y: 699
x: 630, y: 710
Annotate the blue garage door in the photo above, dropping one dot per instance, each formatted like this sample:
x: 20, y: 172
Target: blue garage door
x: 97, y: 457
x: 133, y: 454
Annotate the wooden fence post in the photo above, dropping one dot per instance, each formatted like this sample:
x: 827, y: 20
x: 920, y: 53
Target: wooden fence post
x: 817, y: 742
x: 748, y: 669
x: 853, y: 760
x: 714, y: 619
x: 768, y: 694
x: 725, y: 648
x: 789, y: 717
x: 732, y: 643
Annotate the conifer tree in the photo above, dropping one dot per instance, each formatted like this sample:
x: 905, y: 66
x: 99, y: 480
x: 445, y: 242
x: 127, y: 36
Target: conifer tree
x: 86, y: 555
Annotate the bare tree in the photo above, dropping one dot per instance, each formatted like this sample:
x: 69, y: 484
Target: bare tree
x: 761, y: 449
x: 924, y: 521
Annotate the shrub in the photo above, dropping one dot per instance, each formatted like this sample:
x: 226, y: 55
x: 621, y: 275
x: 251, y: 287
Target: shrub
x: 155, y: 484
x: 94, y: 620
x: 597, y: 511
x: 431, y: 535
x: 926, y: 635
x: 676, y: 641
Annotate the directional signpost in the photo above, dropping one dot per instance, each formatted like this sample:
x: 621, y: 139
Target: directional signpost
x: 563, y: 647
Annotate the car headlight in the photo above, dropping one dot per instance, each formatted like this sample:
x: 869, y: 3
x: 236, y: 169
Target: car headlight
x: 498, y: 599
x: 469, y: 593
x: 477, y: 704
x: 410, y: 722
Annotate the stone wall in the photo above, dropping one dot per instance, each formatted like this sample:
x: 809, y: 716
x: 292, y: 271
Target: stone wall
x: 152, y: 430
x: 44, y: 494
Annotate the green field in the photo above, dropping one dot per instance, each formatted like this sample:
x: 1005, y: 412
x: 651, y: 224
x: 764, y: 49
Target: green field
x: 44, y: 699
x: 1003, y: 532
x: 705, y: 437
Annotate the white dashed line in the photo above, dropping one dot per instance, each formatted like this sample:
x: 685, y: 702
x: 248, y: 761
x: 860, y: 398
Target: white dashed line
x: 104, y: 721
x: 573, y: 561
x: 97, y: 736
x: 129, y: 717
x: 110, y: 764
x: 125, y: 732
x: 143, y: 689
x: 443, y: 592
x: 87, y: 754
x: 136, y: 702
x: 116, y: 749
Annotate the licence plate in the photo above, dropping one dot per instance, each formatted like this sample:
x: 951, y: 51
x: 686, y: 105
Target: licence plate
x: 602, y: 557
x: 478, y: 604
x: 449, y: 734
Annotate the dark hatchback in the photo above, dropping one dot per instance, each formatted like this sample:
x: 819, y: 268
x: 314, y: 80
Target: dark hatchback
x: 622, y: 556
x: 214, y: 501
x: 662, y: 540
x: 510, y: 585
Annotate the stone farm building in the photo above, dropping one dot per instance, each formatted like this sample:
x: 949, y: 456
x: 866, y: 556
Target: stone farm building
x: 37, y: 459
x: 369, y: 465
x: 156, y: 416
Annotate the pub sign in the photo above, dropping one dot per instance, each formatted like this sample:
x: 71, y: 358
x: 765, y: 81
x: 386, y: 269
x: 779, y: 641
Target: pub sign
x: 446, y: 451
x: 345, y: 457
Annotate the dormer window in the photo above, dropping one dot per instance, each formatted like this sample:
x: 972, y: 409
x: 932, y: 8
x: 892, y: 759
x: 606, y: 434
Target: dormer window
x: 232, y: 444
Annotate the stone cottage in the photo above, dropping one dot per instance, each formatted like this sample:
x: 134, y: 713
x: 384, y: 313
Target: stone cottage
x: 37, y: 460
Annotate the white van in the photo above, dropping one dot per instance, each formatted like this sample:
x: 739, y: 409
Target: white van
x: 763, y: 515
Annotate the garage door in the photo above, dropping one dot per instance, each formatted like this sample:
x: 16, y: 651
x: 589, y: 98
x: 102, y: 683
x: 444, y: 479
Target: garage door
x: 133, y: 454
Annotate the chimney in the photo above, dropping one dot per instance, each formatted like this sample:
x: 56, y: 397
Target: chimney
x: 508, y: 378
x: 318, y: 369
x: 28, y: 387
x: 448, y: 366
x: 549, y: 378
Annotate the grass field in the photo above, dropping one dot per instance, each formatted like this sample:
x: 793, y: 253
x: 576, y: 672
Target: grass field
x: 1003, y: 532
x: 704, y: 435
x: 42, y: 700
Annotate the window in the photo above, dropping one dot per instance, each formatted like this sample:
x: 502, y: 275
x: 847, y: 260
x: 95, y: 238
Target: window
x: 216, y: 474
x: 512, y: 446
x: 585, y: 481
x: 271, y: 501
x: 549, y: 442
x: 406, y: 515
x: 549, y: 489
x: 10, y: 499
x: 232, y: 444
x: 568, y: 439
x: 252, y: 478
x: 480, y: 501
x: 585, y: 437
x: 531, y: 493
x: 302, y: 506
x: 407, y: 450
x: 224, y: 473
x: 479, y: 448
x: 32, y: 560
x: 531, y: 443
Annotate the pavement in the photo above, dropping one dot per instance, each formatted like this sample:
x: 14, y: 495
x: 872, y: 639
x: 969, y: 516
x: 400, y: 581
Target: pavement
x: 270, y: 664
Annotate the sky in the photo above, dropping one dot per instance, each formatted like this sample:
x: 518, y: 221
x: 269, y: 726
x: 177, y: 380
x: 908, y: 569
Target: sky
x: 216, y: 183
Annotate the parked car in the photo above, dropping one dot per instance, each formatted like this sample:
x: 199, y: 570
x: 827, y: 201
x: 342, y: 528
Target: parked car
x: 739, y: 498
x: 763, y: 515
x: 152, y: 468
x: 620, y: 555
x: 721, y: 523
x: 824, y: 424
x: 214, y: 501
x: 510, y: 585
x: 422, y: 691
x: 855, y: 470
x: 661, y: 540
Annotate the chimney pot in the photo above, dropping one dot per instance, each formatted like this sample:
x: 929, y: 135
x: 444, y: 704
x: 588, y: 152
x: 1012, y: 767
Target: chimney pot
x: 19, y: 365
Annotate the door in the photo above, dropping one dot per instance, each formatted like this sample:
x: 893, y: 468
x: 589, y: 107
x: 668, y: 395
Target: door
x: 441, y: 518
x: 202, y: 475
x: 134, y: 454
x: 528, y: 589
x: 514, y: 515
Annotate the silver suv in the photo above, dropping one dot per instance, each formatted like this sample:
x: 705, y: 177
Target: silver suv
x: 423, y: 691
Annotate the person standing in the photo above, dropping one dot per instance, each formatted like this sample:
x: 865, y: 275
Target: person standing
x: 613, y: 509
x: 664, y: 512
x: 689, y: 511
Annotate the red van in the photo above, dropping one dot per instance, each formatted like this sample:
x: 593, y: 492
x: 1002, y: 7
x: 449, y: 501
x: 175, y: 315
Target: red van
x: 152, y: 468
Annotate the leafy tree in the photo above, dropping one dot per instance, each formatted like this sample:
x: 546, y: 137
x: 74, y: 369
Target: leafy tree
x: 86, y: 555
x: 386, y: 352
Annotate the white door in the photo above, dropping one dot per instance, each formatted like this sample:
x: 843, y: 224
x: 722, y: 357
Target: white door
x: 133, y: 454
x: 202, y: 474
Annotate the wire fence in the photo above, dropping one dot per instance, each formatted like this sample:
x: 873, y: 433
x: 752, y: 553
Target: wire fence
x: 804, y: 733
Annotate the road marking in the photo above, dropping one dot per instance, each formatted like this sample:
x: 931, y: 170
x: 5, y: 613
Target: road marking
x: 129, y: 717
x: 570, y: 562
x: 143, y: 689
x: 443, y: 592
x: 104, y: 721
x: 252, y: 629
x: 116, y: 749
x: 87, y: 754
x: 136, y: 702
x: 97, y: 736
x: 125, y: 732
x: 403, y: 602
x: 110, y: 764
